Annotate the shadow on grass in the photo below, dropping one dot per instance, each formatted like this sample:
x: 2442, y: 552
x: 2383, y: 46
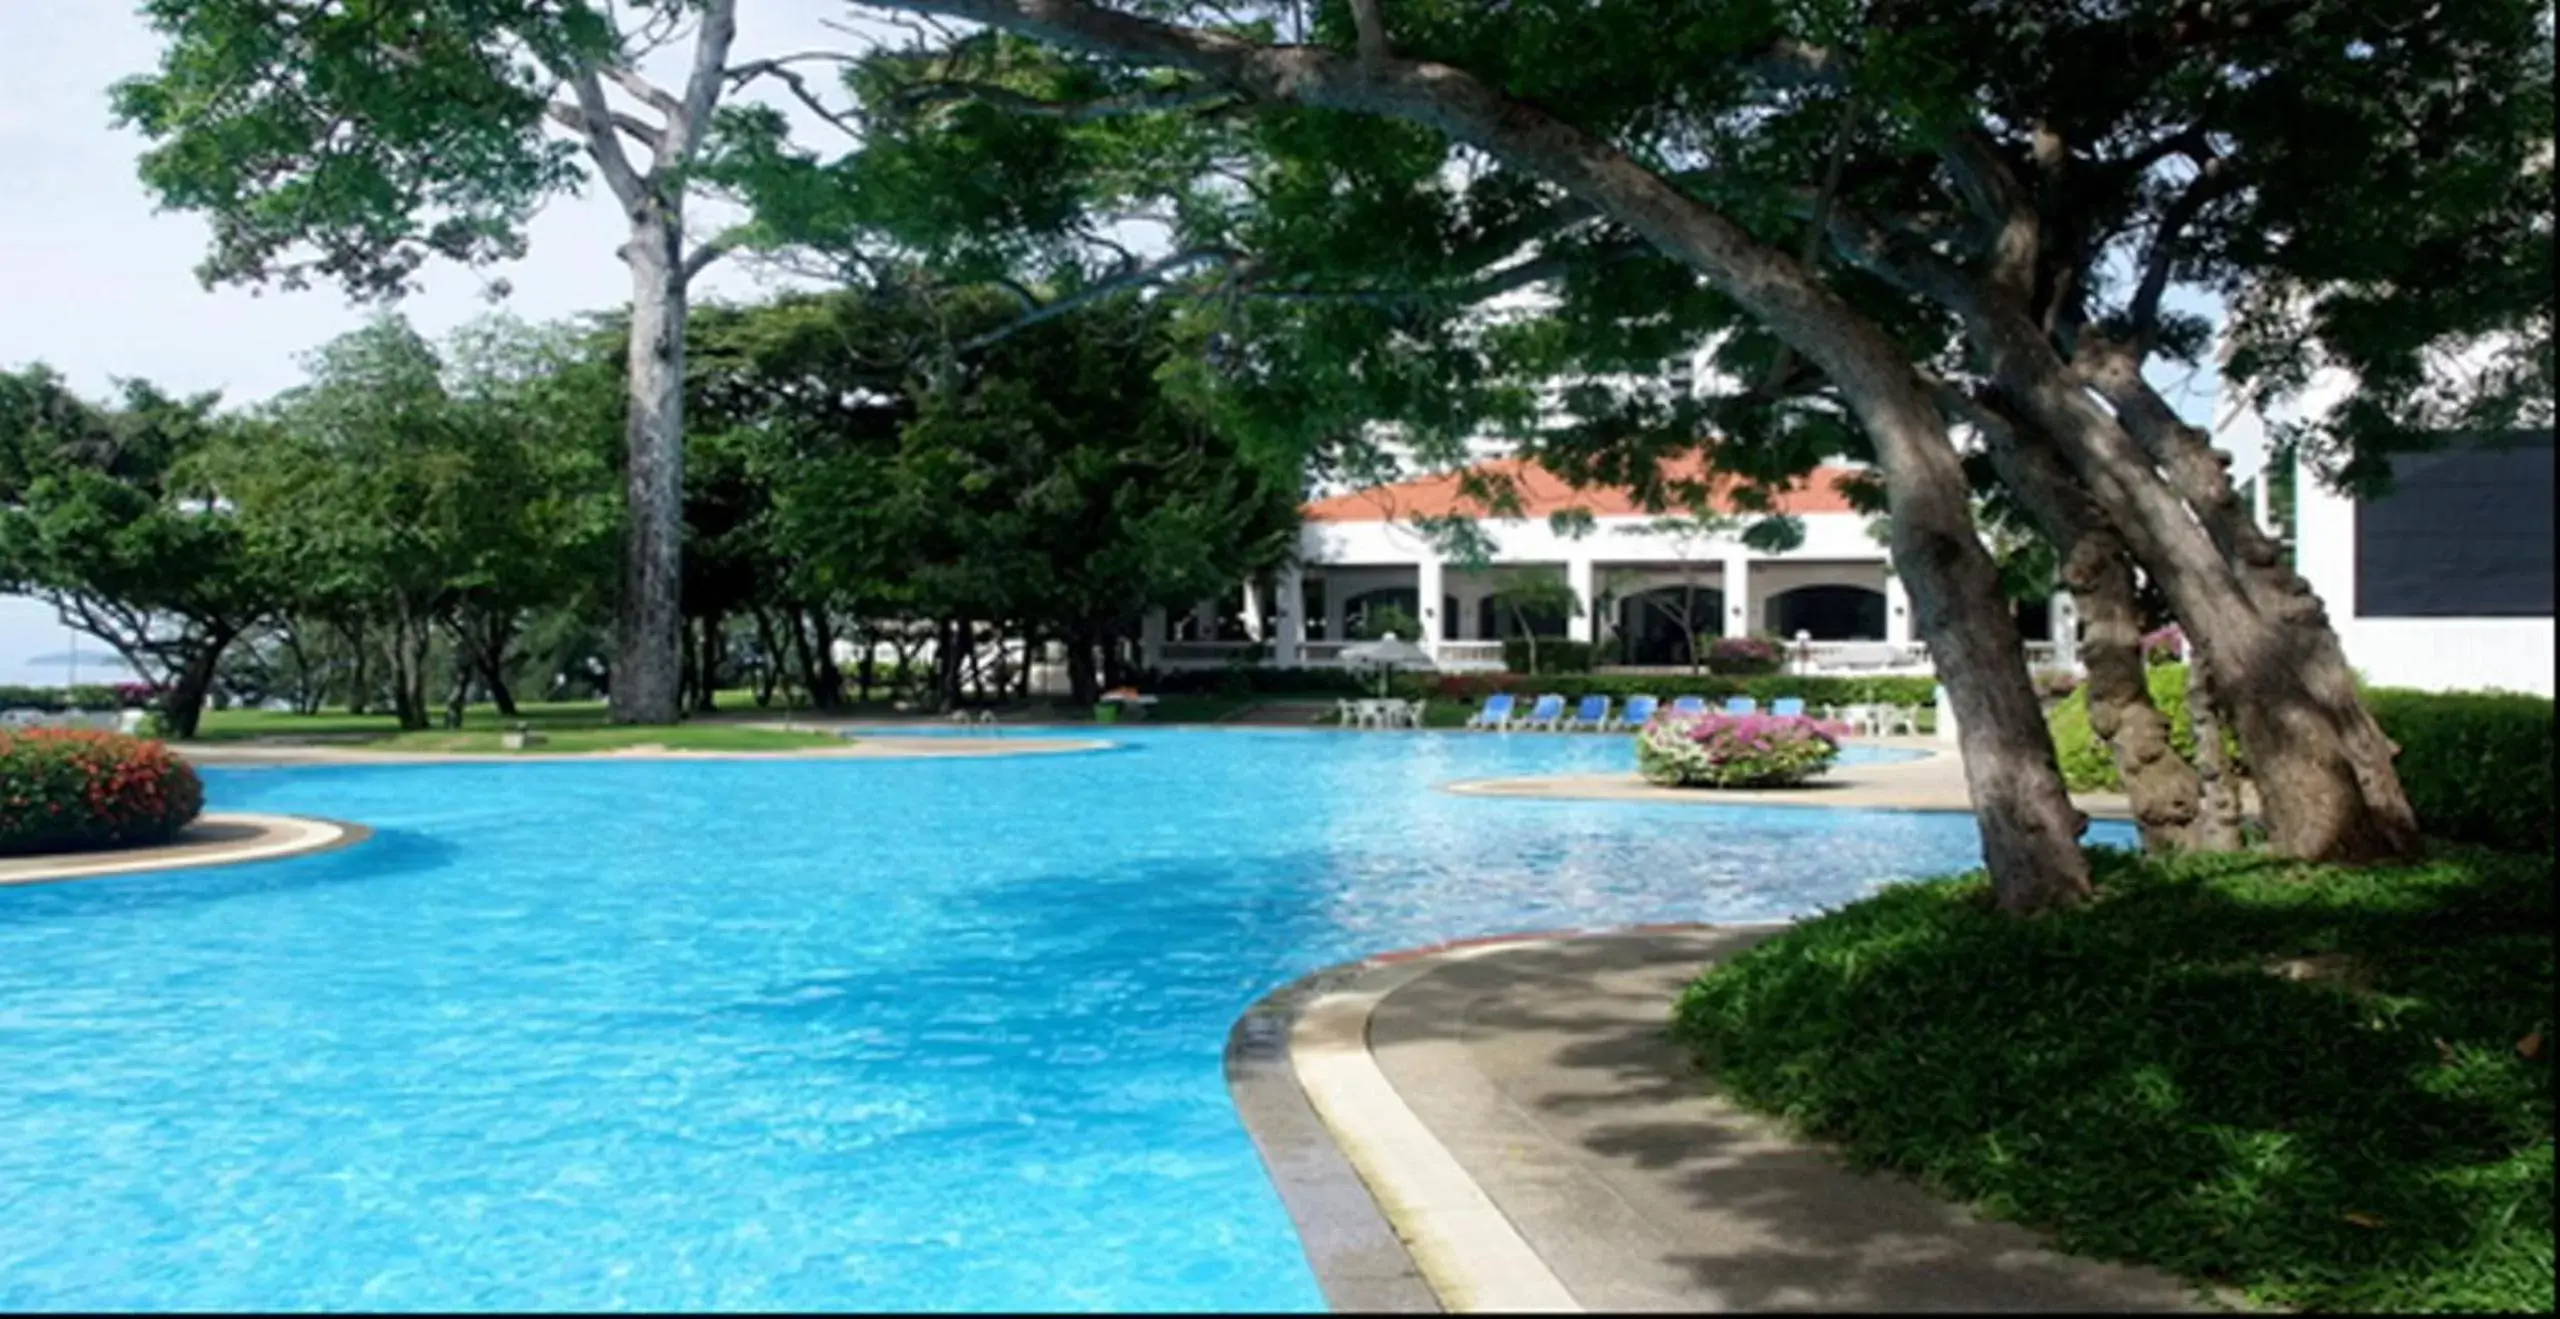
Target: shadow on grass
x: 2149, y: 1079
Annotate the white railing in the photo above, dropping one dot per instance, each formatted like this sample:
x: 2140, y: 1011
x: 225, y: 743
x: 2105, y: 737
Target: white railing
x: 1319, y: 654
x: 1469, y: 654
x: 1206, y: 652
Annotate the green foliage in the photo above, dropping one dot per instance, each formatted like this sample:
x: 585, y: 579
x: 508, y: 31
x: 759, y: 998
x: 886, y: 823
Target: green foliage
x: 1384, y: 621
x: 352, y: 143
x: 1552, y: 655
x: 87, y: 696
x: 104, y: 515
x: 2329, y: 1087
x: 63, y: 790
x: 2477, y: 765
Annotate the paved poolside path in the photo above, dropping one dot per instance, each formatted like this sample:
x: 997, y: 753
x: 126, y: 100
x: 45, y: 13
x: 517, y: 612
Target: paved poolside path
x: 1933, y: 783
x: 1524, y: 1123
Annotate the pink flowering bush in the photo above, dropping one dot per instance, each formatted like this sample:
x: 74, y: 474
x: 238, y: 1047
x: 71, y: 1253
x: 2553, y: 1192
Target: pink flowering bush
x: 1735, y: 750
x: 1744, y: 655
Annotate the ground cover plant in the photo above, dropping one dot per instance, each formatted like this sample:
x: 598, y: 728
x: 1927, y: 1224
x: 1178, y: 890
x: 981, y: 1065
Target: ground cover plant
x: 2327, y: 1087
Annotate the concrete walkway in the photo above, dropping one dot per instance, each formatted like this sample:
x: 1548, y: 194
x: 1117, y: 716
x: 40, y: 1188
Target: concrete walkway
x: 1935, y: 782
x: 1543, y: 1068
x: 215, y: 838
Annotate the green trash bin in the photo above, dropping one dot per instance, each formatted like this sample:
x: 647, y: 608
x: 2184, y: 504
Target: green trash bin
x: 1107, y: 712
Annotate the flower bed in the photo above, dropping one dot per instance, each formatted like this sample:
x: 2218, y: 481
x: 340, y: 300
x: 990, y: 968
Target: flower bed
x: 1735, y: 751
x: 63, y: 790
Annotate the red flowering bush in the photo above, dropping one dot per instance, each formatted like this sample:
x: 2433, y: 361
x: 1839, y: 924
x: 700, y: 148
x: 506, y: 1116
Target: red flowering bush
x: 66, y: 789
x: 1744, y: 655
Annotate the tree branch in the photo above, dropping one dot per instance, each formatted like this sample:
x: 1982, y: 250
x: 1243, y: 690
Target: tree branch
x: 2211, y: 182
x: 575, y: 120
x: 2004, y: 205
x: 648, y: 93
x: 603, y: 144
x: 799, y: 86
x: 1138, y: 277
x: 1075, y: 112
x: 702, y: 87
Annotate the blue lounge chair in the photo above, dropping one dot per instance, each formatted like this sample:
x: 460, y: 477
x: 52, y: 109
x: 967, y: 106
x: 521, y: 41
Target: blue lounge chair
x: 1689, y: 705
x: 1741, y: 705
x: 1638, y: 713
x: 1546, y: 714
x: 1495, y: 714
x: 1787, y: 707
x: 1592, y: 714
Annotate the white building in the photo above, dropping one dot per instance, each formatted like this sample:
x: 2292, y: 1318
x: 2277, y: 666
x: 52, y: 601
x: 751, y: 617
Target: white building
x: 2444, y: 583
x: 1641, y: 589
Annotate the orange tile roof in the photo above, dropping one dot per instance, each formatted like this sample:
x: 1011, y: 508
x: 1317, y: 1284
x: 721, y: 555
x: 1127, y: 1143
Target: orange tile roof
x: 1543, y: 492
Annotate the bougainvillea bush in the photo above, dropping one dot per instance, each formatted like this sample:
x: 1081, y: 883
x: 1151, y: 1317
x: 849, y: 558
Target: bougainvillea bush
x: 1744, y: 655
x: 1735, y: 751
x: 63, y: 790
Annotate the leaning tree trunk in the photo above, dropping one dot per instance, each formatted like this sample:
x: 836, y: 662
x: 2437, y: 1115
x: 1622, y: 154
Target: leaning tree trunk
x: 359, y: 679
x: 2162, y: 788
x: 2201, y: 475
x: 649, y: 622
x: 190, y: 682
x: 1084, y: 684
x: 2218, y: 822
x: 2322, y: 797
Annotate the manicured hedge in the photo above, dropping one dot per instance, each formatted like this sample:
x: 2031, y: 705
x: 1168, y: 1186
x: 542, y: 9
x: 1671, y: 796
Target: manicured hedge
x: 2477, y: 765
x: 63, y: 790
x: 1555, y: 655
x: 1890, y: 689
x: 90, y: 696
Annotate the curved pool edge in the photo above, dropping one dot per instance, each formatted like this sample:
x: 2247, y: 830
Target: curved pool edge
x: 1389, y: 1219
x: 1930, y: 783
x: 216, y: 838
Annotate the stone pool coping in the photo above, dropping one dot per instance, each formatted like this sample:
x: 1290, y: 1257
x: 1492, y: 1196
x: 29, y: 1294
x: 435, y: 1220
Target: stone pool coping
x: 1934, y: 782
x: 869, y: 748
x: 217, y: 838
x: 1503, y: 1124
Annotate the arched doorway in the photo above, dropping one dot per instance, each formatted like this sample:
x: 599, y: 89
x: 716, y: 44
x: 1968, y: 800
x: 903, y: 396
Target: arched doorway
x: 1828, y: 613
x: 1652, y: 625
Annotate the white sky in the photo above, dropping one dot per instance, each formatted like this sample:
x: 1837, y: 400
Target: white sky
x: 97, y: 285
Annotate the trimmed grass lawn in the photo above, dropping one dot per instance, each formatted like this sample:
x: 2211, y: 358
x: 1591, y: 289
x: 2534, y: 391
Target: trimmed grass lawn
x: 2329, y: 1088
x: 569, y: 726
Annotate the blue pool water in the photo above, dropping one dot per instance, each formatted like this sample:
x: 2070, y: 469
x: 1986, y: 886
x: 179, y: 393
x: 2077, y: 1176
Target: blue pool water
x: 779, y: 1035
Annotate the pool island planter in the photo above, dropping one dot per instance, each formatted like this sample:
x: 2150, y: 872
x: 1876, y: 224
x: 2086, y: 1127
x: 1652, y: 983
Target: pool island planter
x: 1715, y: 750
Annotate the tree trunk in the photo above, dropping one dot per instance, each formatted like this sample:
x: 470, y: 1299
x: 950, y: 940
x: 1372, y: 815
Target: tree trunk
x: 649, y: 623
x: 707, y: 669
x: 1084, y: 684
x: 2201, y: 475
x: 409, y: 639
x: 2160, y: 785
x: 768, y: 658
x: 826, y: 681
x: 359, y: 680
x: 182, y: 704
x: 2218, y: 821
x: 2322, y: 802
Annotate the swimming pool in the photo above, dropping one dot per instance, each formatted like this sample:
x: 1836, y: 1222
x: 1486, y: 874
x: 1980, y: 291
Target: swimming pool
x: 938, y: 1035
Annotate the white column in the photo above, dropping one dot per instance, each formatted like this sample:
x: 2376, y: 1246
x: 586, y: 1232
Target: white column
x: 1334, y: 597
x: 1429, y: 591
x: 1292, y: 610
x: 2065, y: 613
x: 1578, y: 574
x: 1255, y: 629
x: 1151, y: 640
x: 1737, y: 594
x: 1898, y: 622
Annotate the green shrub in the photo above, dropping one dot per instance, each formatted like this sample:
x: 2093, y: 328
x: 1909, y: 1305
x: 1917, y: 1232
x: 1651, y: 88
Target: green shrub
x: 2477, y: 765
x: 63, y: 790
x: 87, y: 696
x: 1555, y: 655
x: 2327, y: 1086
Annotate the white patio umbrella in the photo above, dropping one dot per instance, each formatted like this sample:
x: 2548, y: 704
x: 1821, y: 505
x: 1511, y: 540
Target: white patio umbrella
x: 1389, y: 653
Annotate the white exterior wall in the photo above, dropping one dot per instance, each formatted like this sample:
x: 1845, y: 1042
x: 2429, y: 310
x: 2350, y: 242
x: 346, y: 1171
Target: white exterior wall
x: 1827, y: 536
x: 2432, y: 654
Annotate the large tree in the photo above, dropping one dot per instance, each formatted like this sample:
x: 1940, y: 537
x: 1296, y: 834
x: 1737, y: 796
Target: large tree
x: 2011, y: 191
x: 103, y: 515
x: 353, y: 143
